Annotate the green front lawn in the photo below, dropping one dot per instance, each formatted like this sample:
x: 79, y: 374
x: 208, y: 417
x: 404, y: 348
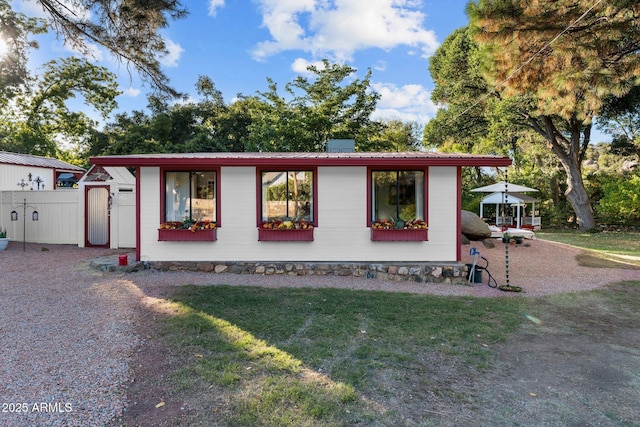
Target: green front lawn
x: 622, y: 243
x: 322, y: 356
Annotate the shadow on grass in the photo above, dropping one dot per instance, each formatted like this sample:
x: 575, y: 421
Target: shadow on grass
x: 596, y: 259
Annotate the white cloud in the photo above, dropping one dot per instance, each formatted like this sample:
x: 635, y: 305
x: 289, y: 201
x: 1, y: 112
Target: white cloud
x: 300, y: 66
x: 337, y: 28
x: 408, y: 103
x: 131, y: 92
x: 174, y: 53
x: 214, y: 5
x: 380, y: 66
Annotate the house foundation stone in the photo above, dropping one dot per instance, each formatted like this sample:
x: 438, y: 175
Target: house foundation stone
x: 428, y: 272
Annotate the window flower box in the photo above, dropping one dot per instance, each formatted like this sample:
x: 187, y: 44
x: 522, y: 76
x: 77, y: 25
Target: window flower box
x: 187, y: 231
x: 399, y: 234
x: 265, y: 235
x: 285, y: 231
x: 385, y: 230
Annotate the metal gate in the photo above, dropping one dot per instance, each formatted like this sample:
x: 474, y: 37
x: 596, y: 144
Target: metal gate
x: 97, y: 215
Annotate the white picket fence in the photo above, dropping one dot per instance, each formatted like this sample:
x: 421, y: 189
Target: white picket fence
x: 61, y: 217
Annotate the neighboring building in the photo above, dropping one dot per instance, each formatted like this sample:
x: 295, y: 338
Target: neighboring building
x: 344, y: 196
x: 27, y: 172
x: 96, y: 209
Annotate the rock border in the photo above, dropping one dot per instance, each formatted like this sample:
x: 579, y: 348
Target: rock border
x: 429, y: 272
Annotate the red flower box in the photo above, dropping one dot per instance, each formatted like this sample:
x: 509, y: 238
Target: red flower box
x: 401, y: 234
x: 180, y: 235
x: 294, y: 235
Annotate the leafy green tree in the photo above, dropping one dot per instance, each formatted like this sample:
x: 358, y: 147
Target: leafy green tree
x: 460, y: 89
x: 475, y: 120
x: 42, y: 119
x: 620, y: 118
x: 313, y: 111
x: 208, y: 125
x: 621, y: 199
x: 565, y: 57
x: 392, y: 135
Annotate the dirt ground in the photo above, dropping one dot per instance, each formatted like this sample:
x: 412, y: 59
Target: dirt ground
x: 579, y: 367
x: 565, y: 375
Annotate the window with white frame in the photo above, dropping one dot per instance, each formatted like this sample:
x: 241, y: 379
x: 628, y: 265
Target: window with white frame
x: 397, y: 195
x: 190, y: 195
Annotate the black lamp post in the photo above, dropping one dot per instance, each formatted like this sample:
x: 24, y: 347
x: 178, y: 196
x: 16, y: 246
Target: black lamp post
x: 34, y: 217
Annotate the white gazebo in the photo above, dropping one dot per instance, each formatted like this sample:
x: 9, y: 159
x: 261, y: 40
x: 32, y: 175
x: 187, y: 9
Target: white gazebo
x: 504, y: 193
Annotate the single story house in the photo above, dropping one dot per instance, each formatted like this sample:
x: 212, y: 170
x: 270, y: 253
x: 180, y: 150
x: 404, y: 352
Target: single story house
x: 299, y: 207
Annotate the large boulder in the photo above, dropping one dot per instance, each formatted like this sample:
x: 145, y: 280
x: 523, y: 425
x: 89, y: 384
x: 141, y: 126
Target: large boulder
x: 473, y: 227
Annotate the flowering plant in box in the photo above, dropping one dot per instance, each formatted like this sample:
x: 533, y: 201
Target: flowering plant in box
x: 416, y: 224
x: 383, y: 224
x: 277, y: 224
x: 188, y: 225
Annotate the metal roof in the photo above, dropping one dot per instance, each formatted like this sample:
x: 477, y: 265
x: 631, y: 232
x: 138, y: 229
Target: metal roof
x: 37, y: 161
x: 412, y: 158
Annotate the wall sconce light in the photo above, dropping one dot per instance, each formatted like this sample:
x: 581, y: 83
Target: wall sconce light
x: 34, y: 216
x: 30, y: 176
x: 14, y: 216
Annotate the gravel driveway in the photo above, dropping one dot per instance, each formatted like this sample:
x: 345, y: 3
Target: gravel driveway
x: 67, y: 332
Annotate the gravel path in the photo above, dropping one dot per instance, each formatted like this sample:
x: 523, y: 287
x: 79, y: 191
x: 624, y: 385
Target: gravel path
x: 67, y: 332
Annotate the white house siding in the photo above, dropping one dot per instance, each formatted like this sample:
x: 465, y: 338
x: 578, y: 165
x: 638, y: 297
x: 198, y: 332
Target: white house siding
x: 342, y: 233
x: 149, y: 188
x: 443, y: 214
x: 11, y: 175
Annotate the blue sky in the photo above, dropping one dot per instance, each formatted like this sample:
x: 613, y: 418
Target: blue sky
x: 239, y: 43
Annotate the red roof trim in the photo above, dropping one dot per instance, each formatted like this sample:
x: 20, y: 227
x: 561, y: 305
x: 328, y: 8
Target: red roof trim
x: 417, y: 159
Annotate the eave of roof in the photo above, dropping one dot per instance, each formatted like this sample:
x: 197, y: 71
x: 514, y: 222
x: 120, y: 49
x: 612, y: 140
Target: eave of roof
x: 37, y: 161
x: 374, y: 159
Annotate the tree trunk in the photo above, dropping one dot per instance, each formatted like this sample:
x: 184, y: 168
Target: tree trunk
x: 577, y: 196
x: 570, y: 152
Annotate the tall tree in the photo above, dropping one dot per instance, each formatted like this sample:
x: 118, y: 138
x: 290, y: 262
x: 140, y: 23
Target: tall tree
x: 313, y: 110
x: 129, y: 29
x: 472, y: 119
x: 392, y: 135
x: 459, y: 88
x: 565, y: 56
x: 206, y: 125
x: 42, y: 118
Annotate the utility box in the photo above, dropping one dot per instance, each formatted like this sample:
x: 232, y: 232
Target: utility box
x: 477, y: 274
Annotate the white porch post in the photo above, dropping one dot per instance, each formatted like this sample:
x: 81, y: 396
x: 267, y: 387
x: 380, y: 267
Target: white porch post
x: 533, y: 214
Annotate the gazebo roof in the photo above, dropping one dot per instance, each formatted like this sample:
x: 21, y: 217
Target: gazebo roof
x: 499, y: 197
